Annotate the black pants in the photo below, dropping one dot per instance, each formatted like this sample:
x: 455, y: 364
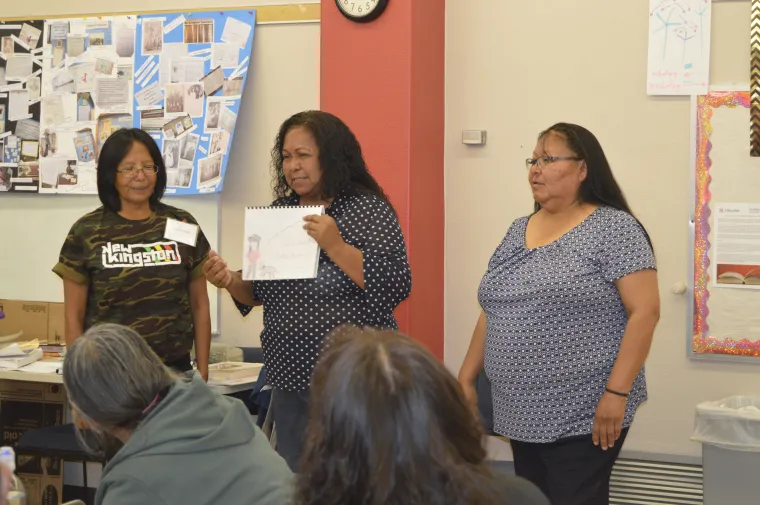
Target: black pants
x: 291, y: 413
x: 570, y: 471
x: 180, y: 365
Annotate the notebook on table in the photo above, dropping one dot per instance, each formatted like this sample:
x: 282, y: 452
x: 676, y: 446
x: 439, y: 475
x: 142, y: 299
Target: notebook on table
x: 276, y: 246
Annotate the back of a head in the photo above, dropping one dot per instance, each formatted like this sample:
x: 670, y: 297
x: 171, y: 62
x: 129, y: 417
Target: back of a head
x: 111, y: 375
x: 389, y: 425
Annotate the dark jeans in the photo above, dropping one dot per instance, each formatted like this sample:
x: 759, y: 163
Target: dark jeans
x: 570, y: 471
x: 290, y: 410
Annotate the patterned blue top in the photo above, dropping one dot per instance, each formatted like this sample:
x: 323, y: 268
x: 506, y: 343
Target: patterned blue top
x: 555, y: 321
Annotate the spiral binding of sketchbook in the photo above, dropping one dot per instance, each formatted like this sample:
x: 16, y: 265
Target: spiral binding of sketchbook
x: 276, y: 246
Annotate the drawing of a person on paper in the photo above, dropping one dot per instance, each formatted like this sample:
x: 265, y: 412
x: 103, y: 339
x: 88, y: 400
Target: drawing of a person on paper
x: 252, y: 256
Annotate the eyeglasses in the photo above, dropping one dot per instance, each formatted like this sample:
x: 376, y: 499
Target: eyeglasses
x: 131, y: 171
x: 544, y: 161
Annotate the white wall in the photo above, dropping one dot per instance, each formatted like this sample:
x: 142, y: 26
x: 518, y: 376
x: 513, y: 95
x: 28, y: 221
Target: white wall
x: 286, y: 63
x: 516, y: 67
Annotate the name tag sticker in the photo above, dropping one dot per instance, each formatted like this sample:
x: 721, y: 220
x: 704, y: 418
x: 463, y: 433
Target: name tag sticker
x: 186, y: 233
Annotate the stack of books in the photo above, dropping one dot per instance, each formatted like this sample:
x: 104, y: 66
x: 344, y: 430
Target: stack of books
x: 16, y: 355
x: 53, y: 350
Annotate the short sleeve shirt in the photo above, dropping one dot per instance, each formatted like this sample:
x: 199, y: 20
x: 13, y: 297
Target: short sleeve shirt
x: 298, y: 314
x: 555, y: 321
x: 136, y: 276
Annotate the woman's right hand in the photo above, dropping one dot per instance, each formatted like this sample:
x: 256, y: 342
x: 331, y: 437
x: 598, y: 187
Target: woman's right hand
x: 216, y: 272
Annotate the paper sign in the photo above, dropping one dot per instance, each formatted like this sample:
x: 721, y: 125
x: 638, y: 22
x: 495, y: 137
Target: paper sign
x: 144, y: 66
x: 239, y: 67
x: 150, y: 75
x: 174, y: 24
x: 236, y: 32
x: 186, y: 233
x: 150, y: 95
x: 679, y: 47
x: 143, y: 79
x: 21, y: 43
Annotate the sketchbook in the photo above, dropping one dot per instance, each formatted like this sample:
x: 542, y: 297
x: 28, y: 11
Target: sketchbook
x: 276, y: 245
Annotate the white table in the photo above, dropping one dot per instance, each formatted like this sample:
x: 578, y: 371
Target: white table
x: 235, y: 387
x: 53, y: 378
x: 15, y: 375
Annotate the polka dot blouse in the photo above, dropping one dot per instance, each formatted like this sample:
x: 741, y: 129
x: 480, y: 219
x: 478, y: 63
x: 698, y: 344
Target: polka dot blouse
x: 555, y: 321
x: 299, y: 313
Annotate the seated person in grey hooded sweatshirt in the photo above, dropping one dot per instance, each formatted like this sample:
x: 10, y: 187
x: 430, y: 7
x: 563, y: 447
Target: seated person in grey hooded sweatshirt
x: 179, y: 442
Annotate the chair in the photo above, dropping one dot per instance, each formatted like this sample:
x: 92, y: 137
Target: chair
x: 265, y: 421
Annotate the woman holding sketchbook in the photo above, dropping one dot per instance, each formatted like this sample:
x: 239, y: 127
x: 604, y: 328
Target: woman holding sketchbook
x: 363, y: 272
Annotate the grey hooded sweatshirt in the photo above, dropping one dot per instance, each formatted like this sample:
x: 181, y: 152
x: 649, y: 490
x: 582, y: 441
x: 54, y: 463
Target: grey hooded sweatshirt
x: 196, y: 447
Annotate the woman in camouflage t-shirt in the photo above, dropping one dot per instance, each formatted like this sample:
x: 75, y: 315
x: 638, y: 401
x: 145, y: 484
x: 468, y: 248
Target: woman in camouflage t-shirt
x: 119, y: 264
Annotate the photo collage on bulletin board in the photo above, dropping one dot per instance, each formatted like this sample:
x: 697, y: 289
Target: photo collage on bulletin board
x: 67, y: 84
x: 20, y: 80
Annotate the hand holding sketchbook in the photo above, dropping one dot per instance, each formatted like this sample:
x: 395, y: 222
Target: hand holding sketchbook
x: 276, y: 246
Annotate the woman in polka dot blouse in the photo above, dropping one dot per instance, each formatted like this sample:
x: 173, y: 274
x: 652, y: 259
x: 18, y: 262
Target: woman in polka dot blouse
x: 569, y: 306
x: 363, y: 269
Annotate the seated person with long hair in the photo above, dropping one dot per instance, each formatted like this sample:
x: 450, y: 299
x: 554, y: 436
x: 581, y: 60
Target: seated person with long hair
x: 180, y: 442
x: 389, y: 425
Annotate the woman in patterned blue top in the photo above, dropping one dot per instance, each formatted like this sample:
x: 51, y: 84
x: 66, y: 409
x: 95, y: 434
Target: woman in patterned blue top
x: 569, y: 306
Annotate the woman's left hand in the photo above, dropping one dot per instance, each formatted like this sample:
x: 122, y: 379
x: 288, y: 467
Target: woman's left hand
x: 608, y: 421
x: 324, y: 230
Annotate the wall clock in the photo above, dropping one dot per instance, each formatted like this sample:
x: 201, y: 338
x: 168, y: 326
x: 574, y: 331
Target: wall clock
x: 361, y: 11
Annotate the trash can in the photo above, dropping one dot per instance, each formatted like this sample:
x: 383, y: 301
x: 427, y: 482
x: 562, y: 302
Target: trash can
x: 729, y: 430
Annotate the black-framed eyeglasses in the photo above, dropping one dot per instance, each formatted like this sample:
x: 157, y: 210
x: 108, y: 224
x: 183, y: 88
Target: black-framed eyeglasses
x: 131, y: 171
x: 544, y: 161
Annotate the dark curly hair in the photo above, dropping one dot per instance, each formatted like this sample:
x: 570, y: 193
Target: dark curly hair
x: 340, y: 157
x: 389, y: 425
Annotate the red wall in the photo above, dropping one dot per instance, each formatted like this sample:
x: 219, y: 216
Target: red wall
x: 385, y: 79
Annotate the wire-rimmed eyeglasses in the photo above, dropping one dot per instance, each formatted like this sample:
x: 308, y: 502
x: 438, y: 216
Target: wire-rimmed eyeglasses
x: 545, y: 161
x: 131, y: 171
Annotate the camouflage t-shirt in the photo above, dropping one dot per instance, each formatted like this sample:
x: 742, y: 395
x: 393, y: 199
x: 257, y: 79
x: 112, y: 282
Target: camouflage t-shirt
x: 136, y: 277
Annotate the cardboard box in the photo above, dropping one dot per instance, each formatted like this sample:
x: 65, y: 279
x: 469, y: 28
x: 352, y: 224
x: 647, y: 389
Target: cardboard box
x: 28, y: 406
x: 40, y: 320
x: 56, y: 324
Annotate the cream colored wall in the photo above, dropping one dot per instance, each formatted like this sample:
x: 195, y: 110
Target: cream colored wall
x: 516, y: 67
x: 286, y: 58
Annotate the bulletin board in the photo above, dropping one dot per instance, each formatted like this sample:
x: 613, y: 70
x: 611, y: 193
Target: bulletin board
x: 67, y: 84
x: 725, y: 320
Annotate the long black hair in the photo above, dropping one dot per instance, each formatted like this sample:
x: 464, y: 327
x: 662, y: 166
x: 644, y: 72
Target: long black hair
x: 340, y: 157
x: 389, y: 425
x: 113, y: 152
x: 600, y: 186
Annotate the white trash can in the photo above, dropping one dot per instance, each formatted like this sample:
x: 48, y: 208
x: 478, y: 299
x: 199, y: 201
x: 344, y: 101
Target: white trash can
x: 729, y: 430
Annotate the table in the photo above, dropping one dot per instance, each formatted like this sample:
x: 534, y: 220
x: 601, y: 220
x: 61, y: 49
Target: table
x: 53, y: 378
x: 235, y: 387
